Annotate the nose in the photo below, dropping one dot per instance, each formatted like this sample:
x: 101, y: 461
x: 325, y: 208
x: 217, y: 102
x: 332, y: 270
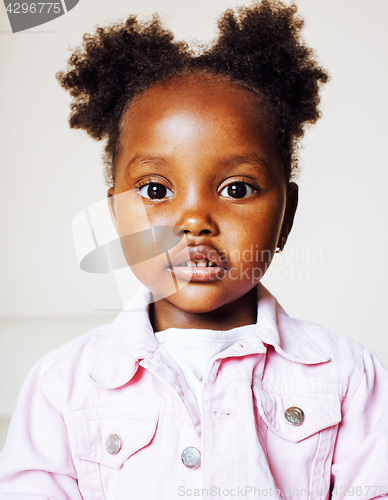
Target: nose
x: 196, y: 220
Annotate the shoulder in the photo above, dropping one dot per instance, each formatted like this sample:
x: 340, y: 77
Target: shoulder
x: 349, y: 361
x: 58, y: 372
x: 80, y: 348
x: 339, y: 348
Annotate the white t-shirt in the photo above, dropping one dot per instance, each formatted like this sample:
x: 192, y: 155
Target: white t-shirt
x: 193, y: 349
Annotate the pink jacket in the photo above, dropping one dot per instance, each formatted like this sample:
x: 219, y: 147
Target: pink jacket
x: 292, y: 411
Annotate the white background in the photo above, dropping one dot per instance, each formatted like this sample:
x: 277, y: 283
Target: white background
x: 50, y: 173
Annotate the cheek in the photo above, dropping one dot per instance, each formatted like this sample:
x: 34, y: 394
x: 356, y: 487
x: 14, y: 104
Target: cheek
x: 138, y: 247
x: 148, y: 265
x: 130, y: 212
x: 133, y: 217
x: 131, y: 220
x: 252, y: 247
x: 146, y: 242
x: 133, y: 227
x: 260, y: 223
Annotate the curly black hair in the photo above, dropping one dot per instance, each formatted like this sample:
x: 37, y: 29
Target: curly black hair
x: 258, y: 48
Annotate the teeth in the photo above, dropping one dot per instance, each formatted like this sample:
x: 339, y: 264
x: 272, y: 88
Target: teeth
x: 198, y: 263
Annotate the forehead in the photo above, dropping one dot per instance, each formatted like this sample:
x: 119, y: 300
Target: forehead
x: 199, y: 111
x: 204, y: 95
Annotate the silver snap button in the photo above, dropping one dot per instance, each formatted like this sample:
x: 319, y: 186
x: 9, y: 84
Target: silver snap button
x: 191, y: 457
x: 294, y: 415
x: 113, y: 444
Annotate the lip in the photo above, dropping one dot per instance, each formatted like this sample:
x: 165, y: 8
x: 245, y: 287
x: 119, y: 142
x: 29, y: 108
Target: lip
x: 202, y: 274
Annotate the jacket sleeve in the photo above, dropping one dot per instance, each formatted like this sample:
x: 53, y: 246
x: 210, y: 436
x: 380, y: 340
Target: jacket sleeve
x: 360, y: 462
x: 36, y: 462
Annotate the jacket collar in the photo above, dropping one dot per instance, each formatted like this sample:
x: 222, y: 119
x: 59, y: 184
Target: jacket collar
x: 131, y: 339
x: 276, y: 328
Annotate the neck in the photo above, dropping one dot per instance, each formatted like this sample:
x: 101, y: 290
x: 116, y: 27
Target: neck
x: 241, y: 312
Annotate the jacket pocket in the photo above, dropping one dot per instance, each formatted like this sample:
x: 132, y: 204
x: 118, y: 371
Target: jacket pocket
x: 89, y: 437
x: 299, y: 450
x: 320, y: 411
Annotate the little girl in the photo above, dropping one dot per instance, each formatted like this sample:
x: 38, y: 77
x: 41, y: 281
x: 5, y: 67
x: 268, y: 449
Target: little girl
x: 203, y: 386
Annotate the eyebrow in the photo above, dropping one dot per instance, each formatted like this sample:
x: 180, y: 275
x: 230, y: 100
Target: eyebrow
x: 253, y: 159
x: 145, y: 160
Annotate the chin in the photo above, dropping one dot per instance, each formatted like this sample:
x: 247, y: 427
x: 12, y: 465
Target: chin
x: 197, y: 301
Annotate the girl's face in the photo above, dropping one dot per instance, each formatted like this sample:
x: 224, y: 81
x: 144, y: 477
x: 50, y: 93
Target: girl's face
x: 198, y: 154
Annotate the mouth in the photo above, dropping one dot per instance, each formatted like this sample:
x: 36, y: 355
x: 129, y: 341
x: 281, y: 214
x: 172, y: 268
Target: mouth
x: 199, y: 263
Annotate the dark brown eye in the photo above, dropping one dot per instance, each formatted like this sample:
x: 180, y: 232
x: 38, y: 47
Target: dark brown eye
x: 237, y: 190
x: 155, y: 191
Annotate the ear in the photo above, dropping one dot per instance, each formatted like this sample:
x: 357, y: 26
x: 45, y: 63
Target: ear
x: 289, y: 213
x: 111, y: 205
